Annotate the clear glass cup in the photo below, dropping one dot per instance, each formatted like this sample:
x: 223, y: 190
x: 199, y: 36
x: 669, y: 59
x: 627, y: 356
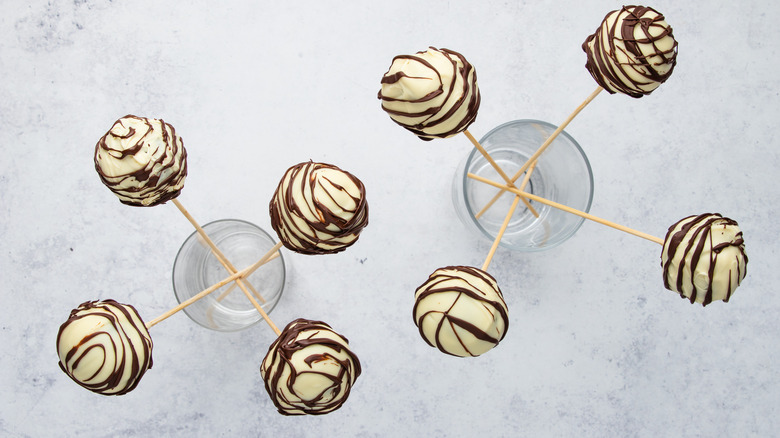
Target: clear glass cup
x: 196, y: 269
x: 562, y: 174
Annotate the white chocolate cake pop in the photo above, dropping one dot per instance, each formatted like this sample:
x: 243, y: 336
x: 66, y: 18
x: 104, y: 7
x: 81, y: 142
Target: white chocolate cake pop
x: 433, y: 94
x: 632, y: 52
x: 142, y: 160
x: 460, y: 310
x: 104, y: 346
x: 704, y: 258
x: 309, y: 369
x: 318, y: 209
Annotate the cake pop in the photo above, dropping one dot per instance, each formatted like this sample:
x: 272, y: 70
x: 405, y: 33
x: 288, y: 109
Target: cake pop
x: 433, y: 93
x: 704, y: 258
x: 105, y: 347
x: 309, y: 369
x: 318, y: 209
x: 460, y: 310
x: 632, y: 52
x: 142, y: 160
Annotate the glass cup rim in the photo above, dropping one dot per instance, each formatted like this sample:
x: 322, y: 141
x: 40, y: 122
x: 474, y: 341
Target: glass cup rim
x: 194, y: 235
x: 475, y: 154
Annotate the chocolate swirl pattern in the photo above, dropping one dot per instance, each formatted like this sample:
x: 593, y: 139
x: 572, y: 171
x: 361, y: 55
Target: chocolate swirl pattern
x: 433, y: 94
x: 309, y: 369
x: 318, y: 209
x: 142, y: 160
x: 632, y: 52
x: 704, y: 258
x: 104, y: 346
x: 460, y: 310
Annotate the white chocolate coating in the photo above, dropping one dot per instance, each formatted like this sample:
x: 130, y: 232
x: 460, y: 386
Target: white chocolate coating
x: 105, y: 347
x: 433, y: 94
x: 309, y: 369
x: 704, y: 258
x: 142, y: 160
x: 632, y: 52
x: 318, y: 209
x: 460, y: 310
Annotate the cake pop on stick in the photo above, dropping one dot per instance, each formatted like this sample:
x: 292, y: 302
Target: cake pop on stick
x: 434, y: 94
x: 703, y: 256
x: 632, y: 52
x: 104, y: 347
x: 309, y: 369
x: 144, y: 163
x: 460, y: 310
x: 318, y: 208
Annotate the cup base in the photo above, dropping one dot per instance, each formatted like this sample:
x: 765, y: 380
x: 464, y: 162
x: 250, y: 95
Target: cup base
x: 492, y: 218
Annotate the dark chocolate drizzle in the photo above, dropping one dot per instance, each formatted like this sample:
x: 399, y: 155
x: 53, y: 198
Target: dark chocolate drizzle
x: 296, y: 337
x: 700, y: 231
x: 431, y: 286
x: 434, y: 113
x: 283, y: 206
x: 109, y: 310
x: 603, y: 65
x: 148, y: 184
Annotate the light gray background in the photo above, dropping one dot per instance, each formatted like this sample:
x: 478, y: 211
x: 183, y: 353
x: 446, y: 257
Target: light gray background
x: 596, y: 345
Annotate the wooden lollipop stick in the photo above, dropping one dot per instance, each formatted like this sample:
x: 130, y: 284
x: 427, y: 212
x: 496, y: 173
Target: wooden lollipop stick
x: 195, y: 298
x: 252, y: 299
x: 557, y: 131
x: 249, y: 271
x: 487, y: 156
x: 569, y: 209
x: 270, y: 255
x: 549, y: 140
x: 498, y: 168
x: 500, y: 233
x: 262, y: 312
x: 508, y: 217
x: 229, y: 266
x: 217, y: 253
